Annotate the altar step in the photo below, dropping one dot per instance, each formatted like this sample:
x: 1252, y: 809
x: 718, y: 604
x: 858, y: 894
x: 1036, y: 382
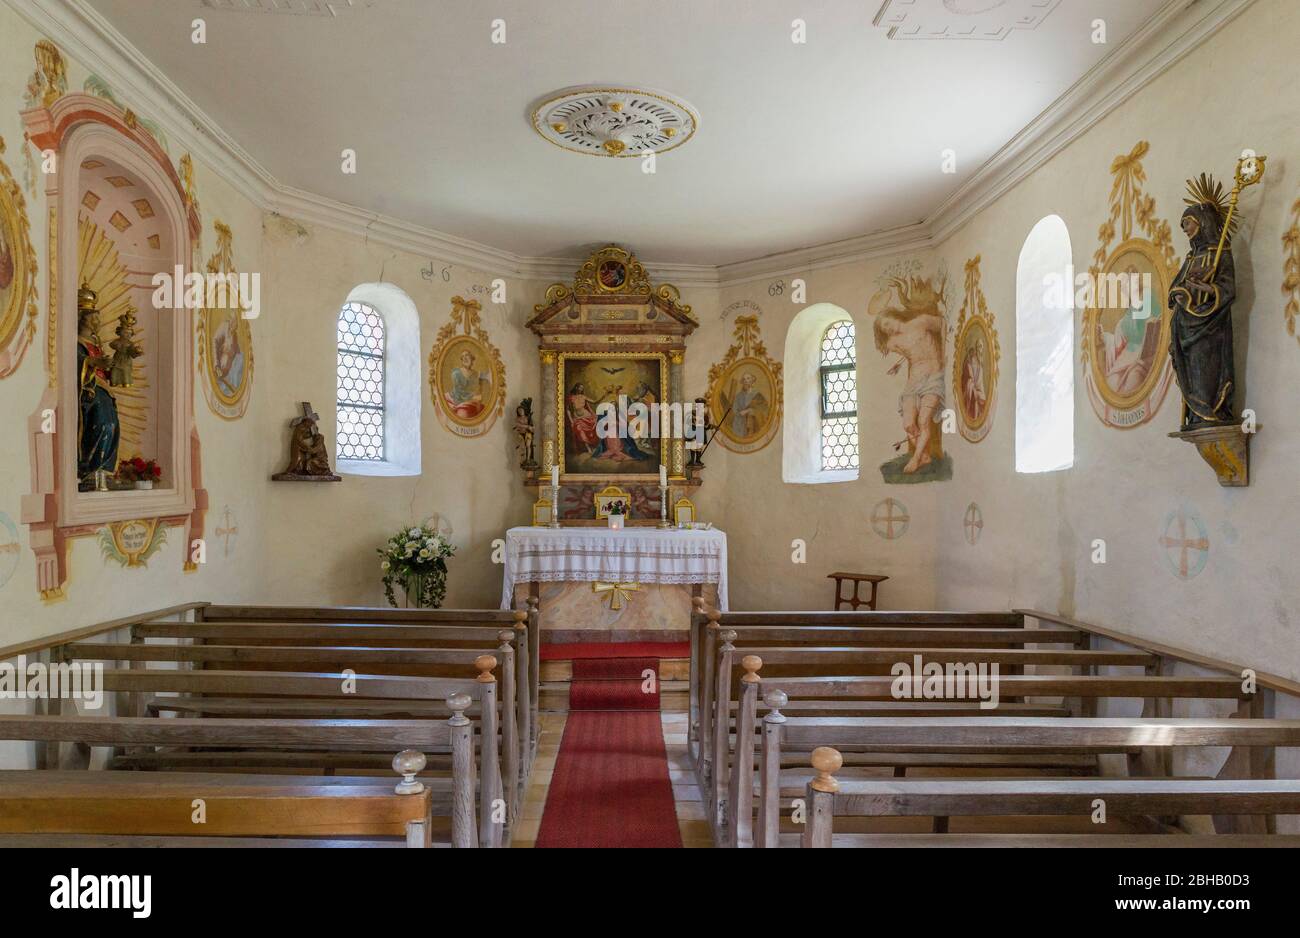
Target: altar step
x: 554, y: 695
x: 670, y: 669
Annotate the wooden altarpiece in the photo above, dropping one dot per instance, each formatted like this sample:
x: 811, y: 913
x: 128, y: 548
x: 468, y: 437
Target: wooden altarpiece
x: 610, y: 334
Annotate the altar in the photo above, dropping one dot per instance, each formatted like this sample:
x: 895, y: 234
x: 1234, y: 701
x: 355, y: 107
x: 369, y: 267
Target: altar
x: 636, y: 582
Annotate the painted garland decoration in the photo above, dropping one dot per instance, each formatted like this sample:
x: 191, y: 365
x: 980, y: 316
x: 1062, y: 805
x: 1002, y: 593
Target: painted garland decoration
x: 466, y: 375
x: 17, y: 274
x: 976, y: 355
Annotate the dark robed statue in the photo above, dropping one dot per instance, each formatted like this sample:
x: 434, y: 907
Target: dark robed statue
x: 100, y: 430
x: 1201, y: 300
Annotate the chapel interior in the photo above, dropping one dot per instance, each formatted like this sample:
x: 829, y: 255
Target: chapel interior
x: 856, y: 424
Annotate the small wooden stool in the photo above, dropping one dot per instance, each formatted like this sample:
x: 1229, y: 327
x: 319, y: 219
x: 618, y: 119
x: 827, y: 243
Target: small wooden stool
x: 856, y: 578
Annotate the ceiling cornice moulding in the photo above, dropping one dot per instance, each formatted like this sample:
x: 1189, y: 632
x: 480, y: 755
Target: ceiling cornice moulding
x: 86, y: 36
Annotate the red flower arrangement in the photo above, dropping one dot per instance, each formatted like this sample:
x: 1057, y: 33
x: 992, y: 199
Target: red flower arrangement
x: 139, y: 470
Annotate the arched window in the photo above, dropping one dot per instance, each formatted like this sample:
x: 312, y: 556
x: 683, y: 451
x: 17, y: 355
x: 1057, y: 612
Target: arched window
x: 1045, y: 350
x: 360, y: 428
x: 377, y: 428
x: 839, y: 386
x: 819, y: 430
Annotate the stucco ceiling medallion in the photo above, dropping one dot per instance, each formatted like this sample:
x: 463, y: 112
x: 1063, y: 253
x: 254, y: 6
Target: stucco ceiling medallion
x: 616, y: 121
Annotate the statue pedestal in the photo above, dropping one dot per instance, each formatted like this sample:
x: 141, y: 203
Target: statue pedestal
x: 1226, y: 449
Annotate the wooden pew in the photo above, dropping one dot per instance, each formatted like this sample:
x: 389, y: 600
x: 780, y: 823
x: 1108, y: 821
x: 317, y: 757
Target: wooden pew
x: 391, y: 632
x: 525, y: 622
x: 731, y: 776
x: 828, y: 797
x: 39, y: 802
x: 383, y: 669
x: 318, y: 692
x: 966, y: 737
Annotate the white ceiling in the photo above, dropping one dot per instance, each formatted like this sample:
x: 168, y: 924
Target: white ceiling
x: 798, y: 144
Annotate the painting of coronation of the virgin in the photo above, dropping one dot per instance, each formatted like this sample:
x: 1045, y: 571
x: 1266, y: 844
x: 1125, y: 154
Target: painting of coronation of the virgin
x: 595, y: 446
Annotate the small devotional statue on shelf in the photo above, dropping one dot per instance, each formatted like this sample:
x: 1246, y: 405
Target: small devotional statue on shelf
x: 524, y: 430
x: 99, y: 429
x: 1201, y: 299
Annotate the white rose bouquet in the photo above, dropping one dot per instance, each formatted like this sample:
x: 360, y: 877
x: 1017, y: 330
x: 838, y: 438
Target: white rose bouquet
x: 416, y: 559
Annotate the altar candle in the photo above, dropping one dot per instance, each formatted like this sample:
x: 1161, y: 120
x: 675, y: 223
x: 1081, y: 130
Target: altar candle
x: 555, y: 477
x: 663, y: 476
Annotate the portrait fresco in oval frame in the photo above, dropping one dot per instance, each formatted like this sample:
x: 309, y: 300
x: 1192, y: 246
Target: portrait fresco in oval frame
x: 975, y: 360
x: 745, y: 393
x: 225, y: 339
x: 1125, y: 334
x: 17, y: 274
x: 466, y: 374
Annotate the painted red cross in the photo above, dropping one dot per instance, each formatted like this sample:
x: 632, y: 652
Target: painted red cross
x: 974, y: 523
x: 1184, y: 544
x: 889, y: 519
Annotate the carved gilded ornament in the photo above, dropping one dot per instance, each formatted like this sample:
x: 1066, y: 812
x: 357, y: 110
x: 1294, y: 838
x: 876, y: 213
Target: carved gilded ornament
x: 612, y: 272
x: 1291, y: 271
x: 225, y: 336
x: 466, y: 375
x: 50, y: 80
x: 1125, y: 340
x: 745, y: 391
x: 17, y: 274
x: 976, y: 356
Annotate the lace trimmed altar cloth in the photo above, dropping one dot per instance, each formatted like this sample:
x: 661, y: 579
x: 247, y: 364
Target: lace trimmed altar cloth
x: 632, y: 555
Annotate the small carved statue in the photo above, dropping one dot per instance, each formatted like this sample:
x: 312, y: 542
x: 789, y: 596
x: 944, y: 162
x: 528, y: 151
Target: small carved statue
x: 701, y: 429
x: 524, y: 428
x: 307, y: 453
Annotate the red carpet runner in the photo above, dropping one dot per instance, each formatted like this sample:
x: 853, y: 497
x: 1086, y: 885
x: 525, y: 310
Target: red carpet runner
x: 610, y: 787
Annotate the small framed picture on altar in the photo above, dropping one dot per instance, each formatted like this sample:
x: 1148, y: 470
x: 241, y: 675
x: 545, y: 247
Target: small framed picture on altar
x: 683, y: 512
x: 542, y: 509
x: 609, y: 497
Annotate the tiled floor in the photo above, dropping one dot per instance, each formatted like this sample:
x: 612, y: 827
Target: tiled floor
x: 690, y: 812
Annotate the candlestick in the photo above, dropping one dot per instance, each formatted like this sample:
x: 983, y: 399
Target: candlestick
x: 663, y: 475
x: 663, y: 503
x: 555, y: 476
x: 555, y: 502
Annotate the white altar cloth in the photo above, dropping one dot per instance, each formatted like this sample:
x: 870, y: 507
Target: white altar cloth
x: 632, y: 555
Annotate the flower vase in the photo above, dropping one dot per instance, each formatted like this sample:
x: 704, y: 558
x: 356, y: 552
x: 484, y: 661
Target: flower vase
x: 144, y: 484
x: 414, y: 589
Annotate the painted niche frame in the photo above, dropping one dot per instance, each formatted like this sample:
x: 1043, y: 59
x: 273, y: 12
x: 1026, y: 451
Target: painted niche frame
x: 975, y: 359
x: 82, y: 129
x: 747, y: 356
x: 561, y: 410
x: 465, y: 335
x: 1144, y: 241
x: 18, y: 268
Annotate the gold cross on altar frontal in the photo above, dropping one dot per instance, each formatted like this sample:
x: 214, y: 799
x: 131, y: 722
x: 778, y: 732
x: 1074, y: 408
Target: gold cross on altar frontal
x: 618, y: 592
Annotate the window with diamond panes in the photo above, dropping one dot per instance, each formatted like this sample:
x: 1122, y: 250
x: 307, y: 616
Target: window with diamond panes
x: 360, y: 430
x: 839, y: 382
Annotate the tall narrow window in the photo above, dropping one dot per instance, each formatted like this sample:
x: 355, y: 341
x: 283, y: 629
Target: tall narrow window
x: 1045, y: 350
x: 360, y: 427
x: 839, y: 389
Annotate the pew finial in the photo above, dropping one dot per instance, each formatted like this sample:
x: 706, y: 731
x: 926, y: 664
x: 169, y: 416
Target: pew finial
x: 827, y: 762
x: 505, y: 637
x: 713, y: 615
x: 521, y: 616
x: 751, y: 664
x: 697, y: 603
x: 486, y: 664
x: 775, y: 699
x: 459, y: 703
x: 409, y: 763
x: 728, y: 636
